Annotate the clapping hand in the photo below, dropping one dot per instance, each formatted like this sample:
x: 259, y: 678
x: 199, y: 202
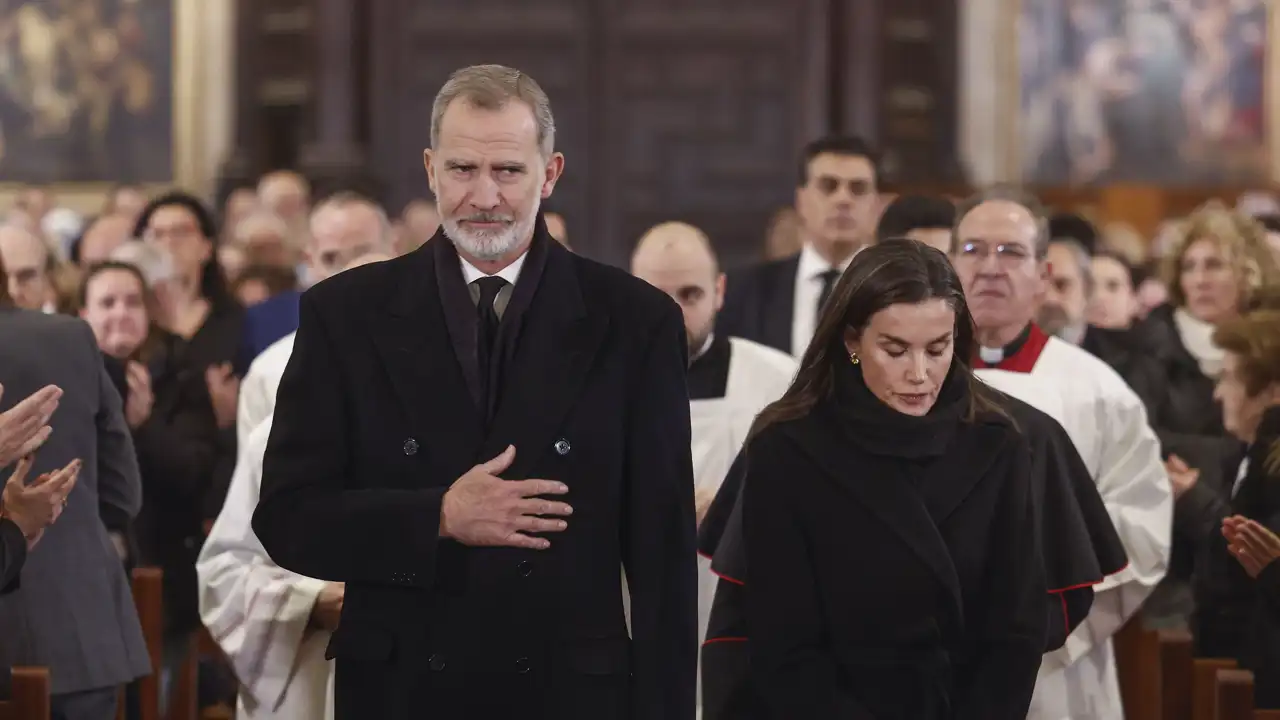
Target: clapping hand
x: 1251, y: 543
x: 36, y: 506
x: 482, y: 509
x: 25, y: 426
x: 224, y: 390
x: 1181, y: 476
x: 137, y: 409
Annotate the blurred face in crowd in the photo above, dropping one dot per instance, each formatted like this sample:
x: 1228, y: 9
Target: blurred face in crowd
x: 35, y: 202
x: 232, y: 260
x: 838, y: 204
x: 490, y: 177
x: 103, y: 236
x: 1209, y: 283
x: 265, y: 240
x: 677, y: 259
x: 1114, y: 304
x: 421, y: 221
x: 995, y: 258
x: 128, y: 202
x: 905, y: 353
x: 1065, y: 294
x: 286, y: 195
x: 115, y: 307
x: 241, y: 203
x: 26, y: 261
x: 175, y: 230
x: 340, y: 233
x: 1241, y: 414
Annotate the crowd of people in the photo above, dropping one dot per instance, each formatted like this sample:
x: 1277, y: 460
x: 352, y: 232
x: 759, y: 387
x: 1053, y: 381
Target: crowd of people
x: 441, y: 461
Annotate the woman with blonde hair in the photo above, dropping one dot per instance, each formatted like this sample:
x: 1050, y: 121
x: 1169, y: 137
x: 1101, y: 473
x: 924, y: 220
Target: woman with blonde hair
x: 1228, y: 620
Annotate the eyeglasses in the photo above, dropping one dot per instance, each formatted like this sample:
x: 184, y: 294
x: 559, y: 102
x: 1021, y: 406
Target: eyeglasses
x: 1007, y: 254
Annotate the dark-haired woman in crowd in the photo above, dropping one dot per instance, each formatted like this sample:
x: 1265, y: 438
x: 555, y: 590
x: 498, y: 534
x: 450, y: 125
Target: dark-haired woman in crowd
x: 887, y: 514
x: 190, y: 442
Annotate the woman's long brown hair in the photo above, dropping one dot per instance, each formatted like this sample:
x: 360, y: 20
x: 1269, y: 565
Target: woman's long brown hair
x: 892, y: 272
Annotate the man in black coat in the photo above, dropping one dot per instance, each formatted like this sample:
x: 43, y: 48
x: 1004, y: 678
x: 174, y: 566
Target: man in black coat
x: 478, y: 438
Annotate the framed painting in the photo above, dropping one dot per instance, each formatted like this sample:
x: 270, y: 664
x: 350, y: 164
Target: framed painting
x: 86, y: 91
x: 1160, y: 92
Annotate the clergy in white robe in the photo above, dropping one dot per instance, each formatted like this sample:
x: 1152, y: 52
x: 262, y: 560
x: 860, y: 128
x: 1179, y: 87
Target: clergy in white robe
x: 261, y: 615
x: 1000, y: 248
x: 730, y: 380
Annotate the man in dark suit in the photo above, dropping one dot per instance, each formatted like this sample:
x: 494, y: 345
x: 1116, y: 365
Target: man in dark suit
x: 74, y: 612
x: 777, y: 303
x: 478, y: 438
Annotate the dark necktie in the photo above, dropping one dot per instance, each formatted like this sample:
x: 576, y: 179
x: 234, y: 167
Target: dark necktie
x: 829, y: 278
x: 487, y: 333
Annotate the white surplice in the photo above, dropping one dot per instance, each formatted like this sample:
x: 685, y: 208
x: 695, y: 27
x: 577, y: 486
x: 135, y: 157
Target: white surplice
x: 256, y: 611
x: 1108, y: 425
x: 758, y: 375
x: 258, y: 388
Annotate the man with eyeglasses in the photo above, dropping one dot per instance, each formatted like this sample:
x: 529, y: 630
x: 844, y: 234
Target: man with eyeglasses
x: 777, y: 303
x: 1000, y: 251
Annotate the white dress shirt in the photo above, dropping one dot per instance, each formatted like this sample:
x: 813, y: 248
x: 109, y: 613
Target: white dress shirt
x: 804, y: 309
x: 510, y: 273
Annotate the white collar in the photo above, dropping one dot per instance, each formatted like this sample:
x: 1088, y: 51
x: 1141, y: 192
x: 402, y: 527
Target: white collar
x: 813, y: 265
x: 510, y: 273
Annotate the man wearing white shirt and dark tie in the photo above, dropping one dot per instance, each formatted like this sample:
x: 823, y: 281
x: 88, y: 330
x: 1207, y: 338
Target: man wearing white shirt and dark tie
x: 777, y: 303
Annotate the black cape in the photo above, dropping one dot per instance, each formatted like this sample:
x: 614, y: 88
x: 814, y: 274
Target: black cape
x: 1078, y: 540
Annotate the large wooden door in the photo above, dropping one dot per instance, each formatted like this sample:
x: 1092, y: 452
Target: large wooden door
x: 664, y: 109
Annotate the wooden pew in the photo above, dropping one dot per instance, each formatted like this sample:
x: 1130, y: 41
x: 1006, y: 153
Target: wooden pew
x: 1204, y: 673
x: 28, y: 696
x: 148, y: 599
x: 1266, y: 715
x: 1233, y: 695
x: 1177, y: 652
x: 1138, y: 667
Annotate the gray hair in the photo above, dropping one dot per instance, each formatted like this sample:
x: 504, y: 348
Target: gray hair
x: 261, y: 220
x: 491, y: 87
x: 1082, y: 259
x: 1013, y: 194
x: 346, y: 199
x: 155, y: 264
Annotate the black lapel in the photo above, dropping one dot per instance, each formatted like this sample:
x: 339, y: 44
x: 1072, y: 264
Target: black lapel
x: 892, y: 499
x: 459, y: 312
x: 558, y: 337
x: 950, y: 479
x: 417, y: 346
x: 779, y: 298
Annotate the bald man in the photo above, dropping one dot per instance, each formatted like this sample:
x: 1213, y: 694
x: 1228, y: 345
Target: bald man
x: 730, y: 380
x: 102, y: 237
x: 26, y: 260
x: 287, y: 194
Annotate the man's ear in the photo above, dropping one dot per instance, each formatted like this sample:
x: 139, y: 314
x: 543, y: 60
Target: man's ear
x: 431, y: 171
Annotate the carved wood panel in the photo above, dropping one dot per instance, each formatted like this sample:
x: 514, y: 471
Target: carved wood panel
x: 706, y: 105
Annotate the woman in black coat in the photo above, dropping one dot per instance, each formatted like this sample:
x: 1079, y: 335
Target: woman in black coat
x: 887, y: 519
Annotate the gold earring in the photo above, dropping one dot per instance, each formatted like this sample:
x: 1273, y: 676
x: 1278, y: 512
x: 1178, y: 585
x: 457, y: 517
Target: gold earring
x: 853, y: 357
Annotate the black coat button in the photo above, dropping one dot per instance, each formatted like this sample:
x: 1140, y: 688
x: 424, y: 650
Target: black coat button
x: 563, y: 447
x: 437, y: 662
x: 410, y: 447
x: 525, y: 568
x: 522, y: 666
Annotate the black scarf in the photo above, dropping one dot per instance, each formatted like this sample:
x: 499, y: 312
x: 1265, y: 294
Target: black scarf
x: 878, y: 429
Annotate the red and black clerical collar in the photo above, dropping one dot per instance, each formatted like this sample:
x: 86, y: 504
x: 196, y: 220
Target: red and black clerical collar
x: 1018, y: 356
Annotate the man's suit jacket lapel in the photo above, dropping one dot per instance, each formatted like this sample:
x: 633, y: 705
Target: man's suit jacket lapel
x: 779, y: 299
x: 422, y: 343
x: 558, y: 337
